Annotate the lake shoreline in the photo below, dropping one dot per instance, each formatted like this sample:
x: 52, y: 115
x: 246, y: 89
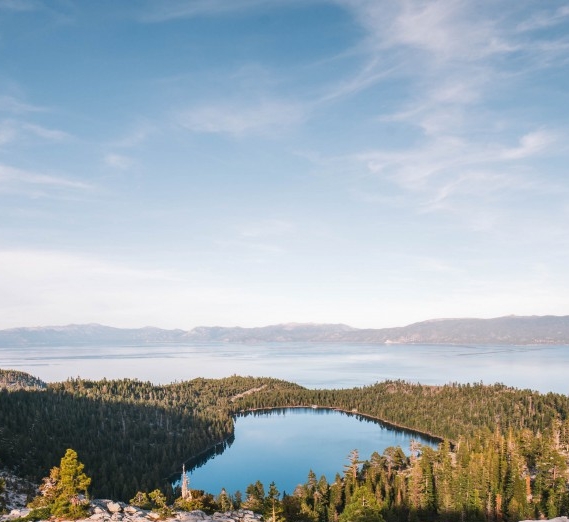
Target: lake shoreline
x: 372, y: 418
x: 318, y: 438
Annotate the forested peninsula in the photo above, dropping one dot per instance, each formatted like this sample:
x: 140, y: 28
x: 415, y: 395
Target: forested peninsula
x: 503, y: 452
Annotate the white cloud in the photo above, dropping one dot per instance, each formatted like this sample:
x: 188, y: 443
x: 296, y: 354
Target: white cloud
x: 449, y: 57
x: 531, y: 144
x: 268, y: 116
x: 372, y: 72
x: 544, y: 19
x: 174, y: 9
x: 14, y: 105
x: 24, y: 181
x: 443, y: 29
x: 46, y: 133
x: 448, y: 30
x: 462, y: 177
x: 12, y: 130
x: 447, y: 43
x: 448, y: 54
x: 18, y: 5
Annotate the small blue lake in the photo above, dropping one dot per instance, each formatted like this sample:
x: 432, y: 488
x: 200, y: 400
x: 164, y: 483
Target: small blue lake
x: 284, y: 445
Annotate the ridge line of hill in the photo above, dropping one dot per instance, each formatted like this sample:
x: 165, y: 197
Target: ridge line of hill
x: 509, y: 330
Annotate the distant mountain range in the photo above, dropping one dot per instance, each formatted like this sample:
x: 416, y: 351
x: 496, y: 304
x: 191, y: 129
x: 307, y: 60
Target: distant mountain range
x: 502, y: 330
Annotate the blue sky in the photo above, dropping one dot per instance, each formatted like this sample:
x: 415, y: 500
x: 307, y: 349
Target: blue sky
x: 248, y: 162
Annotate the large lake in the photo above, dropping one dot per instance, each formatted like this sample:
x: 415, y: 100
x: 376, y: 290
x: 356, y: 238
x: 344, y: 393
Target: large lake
x: 314, y: 365
x: 283, y: 445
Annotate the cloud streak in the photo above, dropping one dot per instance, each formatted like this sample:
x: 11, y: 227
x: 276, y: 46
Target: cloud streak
x: 450, y: 57
x: 14, y: 105
x: 46, y: 133
x: 23, y: 181
x: 176, y: 9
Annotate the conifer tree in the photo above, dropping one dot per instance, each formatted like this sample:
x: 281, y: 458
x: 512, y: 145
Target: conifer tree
x: 255, y: 497
x: 273, y: 507
x: 141, y: 500
x: 73, y: 485
x: 64, y: 492
x: 159, y: 503
x: 363, y: 507
x: 224, y: 501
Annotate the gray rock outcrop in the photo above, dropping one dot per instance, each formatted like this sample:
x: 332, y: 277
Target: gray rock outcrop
x: 109, y: 511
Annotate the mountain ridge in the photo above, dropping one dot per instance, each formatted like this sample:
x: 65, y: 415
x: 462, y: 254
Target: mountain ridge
x: 506, y: 330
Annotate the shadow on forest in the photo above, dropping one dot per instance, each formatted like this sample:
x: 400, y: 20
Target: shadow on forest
x: 402, y: 514
x: 125, y: 446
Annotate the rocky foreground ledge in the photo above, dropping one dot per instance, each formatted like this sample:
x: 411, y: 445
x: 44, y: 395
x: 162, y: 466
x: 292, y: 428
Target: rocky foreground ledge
x: 556, y: 519
x: 109, y: 511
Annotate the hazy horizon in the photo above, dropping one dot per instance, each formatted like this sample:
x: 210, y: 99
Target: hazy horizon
x: 245, y: 163
x: 294, y: 323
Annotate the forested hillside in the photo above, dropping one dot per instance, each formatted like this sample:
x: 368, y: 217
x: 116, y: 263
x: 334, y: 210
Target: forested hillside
x: 131, y: 434
x: 491, y: 477
x: 502, y: 445
x: 14, y: 379
x: 444, y: 411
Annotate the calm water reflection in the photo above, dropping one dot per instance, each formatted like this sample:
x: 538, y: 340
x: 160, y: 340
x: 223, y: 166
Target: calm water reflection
x: 283, y: 445
x: 314, y: 365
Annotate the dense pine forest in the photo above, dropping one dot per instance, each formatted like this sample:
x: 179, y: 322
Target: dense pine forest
x: 503, y: 452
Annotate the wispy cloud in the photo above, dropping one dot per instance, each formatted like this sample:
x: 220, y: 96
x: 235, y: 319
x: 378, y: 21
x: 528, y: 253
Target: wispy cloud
x: 443, y: 29
x: 531, y: 144
x: 46, y: 133
x: 544, y: 19
x: 447, y: 30
x: 413, y: 167
x: 140, y: 132
x: 433, y: 42
x: 15, y: 105
x: 473, y: 181
x: 371, y: 73
x: 13, y: 130
x: 17, y: 124
x: 174, y: 9
x: 18, y: 5
x: 442, y: 41
x: 28, y: 182
x: 450, y: 56
x: 239, y: 120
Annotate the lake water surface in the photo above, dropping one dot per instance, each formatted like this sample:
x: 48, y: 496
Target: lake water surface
x: 314, y: 365
x: 283, y: 445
